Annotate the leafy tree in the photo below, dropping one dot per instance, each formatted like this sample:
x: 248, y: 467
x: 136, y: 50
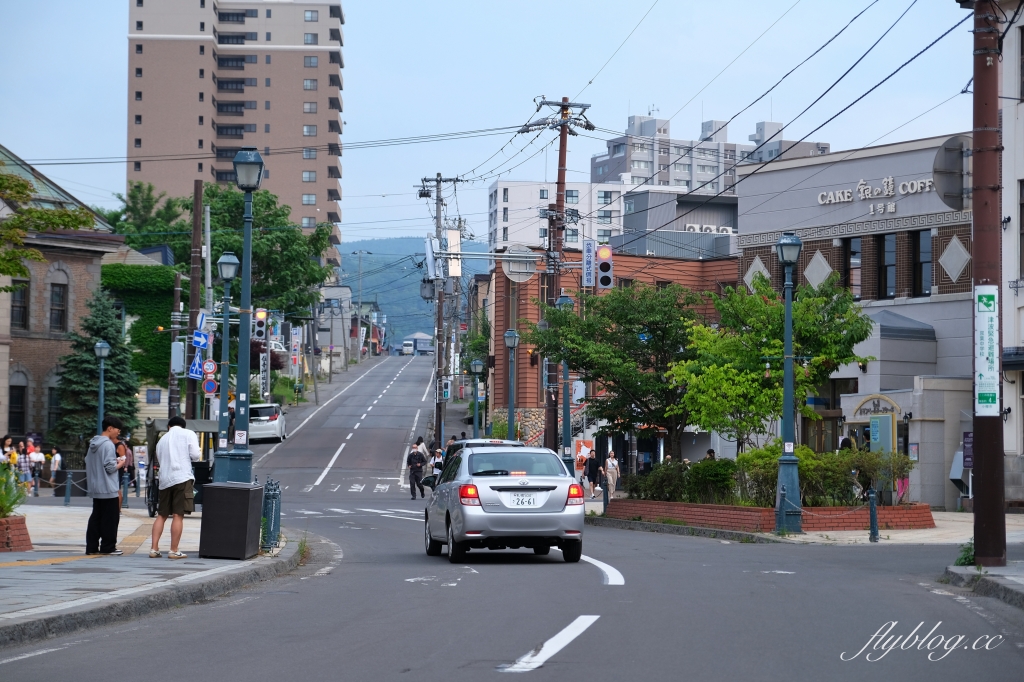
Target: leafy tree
x: 477, y: 345
x: 78, y: 389
x: 16, y: 193
x: 734, y: 375
x: 625, y: 341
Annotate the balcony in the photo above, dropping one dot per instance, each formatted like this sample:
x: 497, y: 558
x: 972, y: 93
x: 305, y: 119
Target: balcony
x: 233, y: 38
x: 334, y: 80
x: 333, y: 195
x: 333, y: 149
x: 336, y: 35
x: 233, y: 84
x: 334, y: 127
x: 233, y: 108
x: 333, y: 217
x: 336, y: 13
x: 334, y: 172
x: 233, y: 131
x: 334, y: 103
x: 236, y: 17
x: 335, y: 58
x: 235, y: 62
x: 223, y: 175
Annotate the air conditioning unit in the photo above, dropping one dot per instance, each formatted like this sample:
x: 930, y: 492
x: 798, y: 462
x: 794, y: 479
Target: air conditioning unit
x: 650, y: 253
x: 707, y: 228
x: 691, y: 228
x: 724, y: 230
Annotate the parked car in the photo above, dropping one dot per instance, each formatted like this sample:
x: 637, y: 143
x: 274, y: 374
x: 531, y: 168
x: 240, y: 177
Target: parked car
x: 267, y: 420
x: 504, y: 498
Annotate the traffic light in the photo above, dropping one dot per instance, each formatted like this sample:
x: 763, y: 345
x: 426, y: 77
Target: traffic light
x: 605, y: 276
x: 259, y: 324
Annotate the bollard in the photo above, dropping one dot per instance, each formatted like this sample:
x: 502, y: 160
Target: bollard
x: 604, y: 488
x: 873, y: 510
x: 67, y: 488
x: 277, y: 514
x: 124, y: 490
x: 780, y: 511
x: 35, y: 483
x: 272, y: 513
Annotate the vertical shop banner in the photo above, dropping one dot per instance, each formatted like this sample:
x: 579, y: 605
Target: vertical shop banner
x: 986, y: 350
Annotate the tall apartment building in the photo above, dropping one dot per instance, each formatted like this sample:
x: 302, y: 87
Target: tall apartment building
x: 207, y: 77
x: 648, y: 154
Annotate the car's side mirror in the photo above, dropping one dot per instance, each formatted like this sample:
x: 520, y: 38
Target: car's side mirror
x: 429, y: 481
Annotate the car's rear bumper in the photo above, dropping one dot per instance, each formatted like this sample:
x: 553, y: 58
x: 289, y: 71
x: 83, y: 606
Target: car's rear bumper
x: 262, y: 431
x: 478, y: 528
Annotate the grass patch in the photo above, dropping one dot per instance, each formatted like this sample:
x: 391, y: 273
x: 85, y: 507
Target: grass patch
x: 966, y: 557
x: 673, y: 522
x: 304, y: 550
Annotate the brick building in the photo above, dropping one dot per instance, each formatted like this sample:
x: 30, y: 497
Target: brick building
x: 873, y: 216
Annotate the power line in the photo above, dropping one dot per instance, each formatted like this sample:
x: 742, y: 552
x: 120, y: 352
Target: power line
x: 624, y: 41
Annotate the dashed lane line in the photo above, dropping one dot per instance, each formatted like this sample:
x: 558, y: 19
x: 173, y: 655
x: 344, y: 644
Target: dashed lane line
x: 330, y: 464
x: 538, y: 656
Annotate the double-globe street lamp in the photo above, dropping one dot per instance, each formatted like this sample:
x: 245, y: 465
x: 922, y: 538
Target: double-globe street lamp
x: 788, y: 512
x: 227, y: 268
x: 102, y: 350
x: 248, y: 176
x: 511, y: 343
x: 476, y: 368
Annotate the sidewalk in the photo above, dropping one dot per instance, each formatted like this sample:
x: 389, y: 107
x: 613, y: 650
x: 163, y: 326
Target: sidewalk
x: 1005, y: 583
x: 951, y: 528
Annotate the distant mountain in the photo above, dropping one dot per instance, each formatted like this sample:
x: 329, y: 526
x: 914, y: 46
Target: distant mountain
x: 392, y: 278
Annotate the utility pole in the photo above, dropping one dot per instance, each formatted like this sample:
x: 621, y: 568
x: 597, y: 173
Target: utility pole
x: 562, y: 120
x: 359, y: 309
x: 989, y: 492
x: 194, y: 282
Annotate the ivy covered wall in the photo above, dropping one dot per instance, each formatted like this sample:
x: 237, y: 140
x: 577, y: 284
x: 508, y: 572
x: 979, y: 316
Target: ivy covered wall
x: 147, y: 292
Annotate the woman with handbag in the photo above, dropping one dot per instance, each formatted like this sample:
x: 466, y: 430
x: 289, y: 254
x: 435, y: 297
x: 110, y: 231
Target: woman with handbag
x: 611, y: 472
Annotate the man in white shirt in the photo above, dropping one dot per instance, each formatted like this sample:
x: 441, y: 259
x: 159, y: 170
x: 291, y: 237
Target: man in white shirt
x: 175, y: 453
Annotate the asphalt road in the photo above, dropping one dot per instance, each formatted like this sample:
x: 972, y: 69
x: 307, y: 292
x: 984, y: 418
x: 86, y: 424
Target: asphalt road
x: 372, y: 606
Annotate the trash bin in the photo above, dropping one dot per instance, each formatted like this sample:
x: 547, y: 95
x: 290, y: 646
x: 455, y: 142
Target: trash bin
x: 231, y: 520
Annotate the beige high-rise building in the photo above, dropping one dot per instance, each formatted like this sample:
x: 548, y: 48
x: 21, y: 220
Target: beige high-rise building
x: 207, y: 77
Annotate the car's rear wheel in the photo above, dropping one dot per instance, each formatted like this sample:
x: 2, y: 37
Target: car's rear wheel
x: 541, y: 551
x: 432, y: 546
x: 572, y: 551
x: 456, y: 550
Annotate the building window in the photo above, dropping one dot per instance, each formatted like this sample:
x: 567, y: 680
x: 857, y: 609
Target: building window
x: 309, y: 176
x: 685, y: 184
x: 200, y: 169
x: 138, y: 166
x: 662, y: 166
x: 16, y: 410
x: 604, y: 236
x: 604, y: 217
x: 572, y: 235
x: 138, y: 142
x: 52, y: 407
x: 625, y: 283
x: 58, y: 307
x: 138, y: 72
x: 853, y: 260
x: 200, y: 144
x: 309, y: 107
x: 639, y: 147
x: 309, y: 84
x: 309, y: 152
x: 200, y: 97
x: 504, y: 234
x: 504, y: 215
x: 572, y: 196
x: 639, y: 164
x: 310, y: 38
x: 202, y: 49
x: 268, y: 36
x: 153, y: 396
x: 604, y: 197
x: 138, y: 119
x: 138, y: 25
x: 543, y: 194
x: 309, y: 222
x: 19, y: 305
x: 266, y: 105
x: 309, y: 200
x: 922, y: 247
x: 707, y: 169
x: 309, y: 131
x: 268, y: 14
x: 138, y: 48
x: 543, y: 232
x: 618, y: 149
x: 504, y: 193
x: 311, y: 15
x: 886, y: 247
x: 202, y: 73
x: 628, y: 206
x: 310, y: 62
x: 138, y: 96
x: 266, y: 82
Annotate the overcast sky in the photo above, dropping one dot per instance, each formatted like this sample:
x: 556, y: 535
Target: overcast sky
x: 416, y: 68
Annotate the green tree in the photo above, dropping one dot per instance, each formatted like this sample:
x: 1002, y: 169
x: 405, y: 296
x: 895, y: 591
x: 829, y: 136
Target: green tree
x: 734, y: 375
x: 477, y: 345
x: 16, y: 193
x: 625, y: 341
x: 78, y: 389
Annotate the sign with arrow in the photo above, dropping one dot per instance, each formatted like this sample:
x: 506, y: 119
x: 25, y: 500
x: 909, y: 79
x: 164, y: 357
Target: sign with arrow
x: 195, y: 370
x: 200, y: 340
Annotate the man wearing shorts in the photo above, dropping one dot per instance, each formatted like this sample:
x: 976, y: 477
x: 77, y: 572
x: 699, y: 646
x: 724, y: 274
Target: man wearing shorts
x: 175, y: 453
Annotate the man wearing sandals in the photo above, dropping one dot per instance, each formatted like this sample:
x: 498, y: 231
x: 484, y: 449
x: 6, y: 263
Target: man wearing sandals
x: 175, y: 453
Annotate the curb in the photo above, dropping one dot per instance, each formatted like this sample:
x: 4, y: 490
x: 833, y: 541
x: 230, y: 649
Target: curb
x: 986, y: 584
x: 672, y: 529
x: 58, y: 625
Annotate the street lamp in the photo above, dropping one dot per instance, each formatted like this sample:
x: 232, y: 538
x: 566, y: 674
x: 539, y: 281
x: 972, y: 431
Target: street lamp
x: 102, y: 350
x: 788, y: 519
x: 476, y: 368
x: 227, y: 268
x: 511, y: 342
x: 248, y: 175
x: 565, y: 303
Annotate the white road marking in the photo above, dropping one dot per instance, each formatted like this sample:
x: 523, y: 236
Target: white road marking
x: 429, y: 384
x: 402, y: 511
x: 374, y: 402
x: 787, y: 573
x: 348, y: 436
x: 357, y: 487
x: 341, y: 511
x: 381, y: 488
x: 541, y: 654
x: 31, y: 654
x: 364, y: 416
x: 303, y: 511
x: 330, y: 464
x: 335, y: 488
x: 392, y: 516
x: 323, y: 571
x: 356, y: 426
x: 424, y: 579
x: 611, y: 574
x: 368, y: 409
x: 307, y: 489
x: 326, y: 402
x: 374, y: 511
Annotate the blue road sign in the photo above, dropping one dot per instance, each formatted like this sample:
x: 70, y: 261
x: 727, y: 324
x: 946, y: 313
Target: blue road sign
x: 200, y: 340
x: 209, y: 386
x: 195, y: 370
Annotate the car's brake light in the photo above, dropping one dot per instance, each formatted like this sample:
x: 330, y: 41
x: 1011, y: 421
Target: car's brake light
x: 469, y: 495
x: 575, y: 494
x: 273, y: 417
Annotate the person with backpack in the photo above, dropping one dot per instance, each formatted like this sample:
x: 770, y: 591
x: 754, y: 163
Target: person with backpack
x: 416, y: 461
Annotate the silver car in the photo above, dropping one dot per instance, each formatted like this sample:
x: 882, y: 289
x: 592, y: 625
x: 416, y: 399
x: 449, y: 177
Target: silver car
x: 504, y: 498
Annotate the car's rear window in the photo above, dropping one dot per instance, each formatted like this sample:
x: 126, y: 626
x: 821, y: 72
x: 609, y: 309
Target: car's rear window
x: 515, y: 464
x: 267, y: 411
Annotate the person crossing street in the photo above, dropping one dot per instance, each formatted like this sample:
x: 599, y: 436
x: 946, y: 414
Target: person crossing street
x: 416, y: 461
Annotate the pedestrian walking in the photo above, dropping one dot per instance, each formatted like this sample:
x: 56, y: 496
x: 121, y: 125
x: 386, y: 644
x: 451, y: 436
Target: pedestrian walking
x: 123, y: 448
x: 175, y: 453
x: 24, y: 464
x: 416, y: 461
x: 421, y: 447
x: 37, y: 459
x: 56, y: 463
x: 611, y: 472
x: 101, y: 468
x: 437, y: 462
x: 592, y: 472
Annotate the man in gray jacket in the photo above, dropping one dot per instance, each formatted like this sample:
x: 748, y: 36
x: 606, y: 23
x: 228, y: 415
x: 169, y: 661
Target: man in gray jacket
x: 101, y: 472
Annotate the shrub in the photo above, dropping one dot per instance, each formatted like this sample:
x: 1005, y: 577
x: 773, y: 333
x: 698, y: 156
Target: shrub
x: 666, y: 483
x: 499, y: 429
x: 11, y: 492
x: 711, y: 481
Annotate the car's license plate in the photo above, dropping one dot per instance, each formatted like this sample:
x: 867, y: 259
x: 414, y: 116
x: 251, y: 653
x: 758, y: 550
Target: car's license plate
x: 524, y: 499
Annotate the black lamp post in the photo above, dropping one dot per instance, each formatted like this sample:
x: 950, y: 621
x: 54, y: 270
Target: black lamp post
x: 788, y: 513
x: 511, y: 342
x: 102, y: 350
x: 476, y: 368
x: 248, y: 175
x: 227, y: 268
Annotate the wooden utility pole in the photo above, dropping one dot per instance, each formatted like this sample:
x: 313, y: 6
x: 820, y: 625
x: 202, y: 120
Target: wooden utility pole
x: 989, y: 492
x: 194, y: 282
x: 556, y: 242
